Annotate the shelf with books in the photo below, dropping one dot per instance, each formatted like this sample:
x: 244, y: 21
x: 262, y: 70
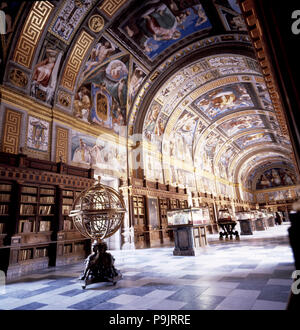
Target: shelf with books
x: 68, y: 198
x: 6, y: 191
x: 26, y: 225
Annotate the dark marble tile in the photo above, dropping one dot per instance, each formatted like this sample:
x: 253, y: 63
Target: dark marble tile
x: 71, y: 293
x: 191, y: 277
x: 282, y: 273
x: 251, y: 285
x: 94, y: 301
x: 259, y: 276
x: 231, y: 279
x: 275, y: 293
x: 107, y: 306
x: 140, y: 291
x: 188, y: 293
x: 248, y: 266
x: 162, y: 286
x: 31, y: 306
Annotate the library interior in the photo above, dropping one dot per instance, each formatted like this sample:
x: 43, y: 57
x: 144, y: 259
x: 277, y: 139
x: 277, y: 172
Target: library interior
x: 159, y: 136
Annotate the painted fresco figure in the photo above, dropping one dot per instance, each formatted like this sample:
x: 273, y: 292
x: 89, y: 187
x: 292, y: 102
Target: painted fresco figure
x: 155, y: 21
x: 82, y: 153
x: 99, y: 54
x: 135, y: 83
x: 45, y: 75
x: 5, y: 17
x: 42, y: 71
x: 82, y: 103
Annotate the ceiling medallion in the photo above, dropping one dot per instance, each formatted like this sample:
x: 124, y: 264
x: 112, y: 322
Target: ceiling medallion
x: 96, y: 23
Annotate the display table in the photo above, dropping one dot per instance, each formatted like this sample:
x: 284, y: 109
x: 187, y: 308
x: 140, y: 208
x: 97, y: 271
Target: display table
x: 189, y: 228
x: 246, y: 226
x: 271, y: 222
x: 260, y: 224
x: 188, y: 239
x: 228, y: 229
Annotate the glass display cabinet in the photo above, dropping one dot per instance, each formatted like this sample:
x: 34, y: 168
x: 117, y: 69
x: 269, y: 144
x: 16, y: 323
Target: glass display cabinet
x: 260, y: 221
x: 189, y: 228
x: 245, y: 220
x: 227, y: 225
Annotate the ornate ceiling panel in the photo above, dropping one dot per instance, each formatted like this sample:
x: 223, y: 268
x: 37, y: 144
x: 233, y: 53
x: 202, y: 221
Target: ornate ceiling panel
x: 157, y: 68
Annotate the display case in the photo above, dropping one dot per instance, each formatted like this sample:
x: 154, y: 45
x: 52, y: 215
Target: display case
x: 245, y: 220
x: 189, y: 227
x: 188, y: 216
x: 260, y: 220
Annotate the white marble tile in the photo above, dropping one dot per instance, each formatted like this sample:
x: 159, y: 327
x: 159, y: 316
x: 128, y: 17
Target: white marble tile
x: 222, y: 292
x: 123, y: 299
x: 167, y: 305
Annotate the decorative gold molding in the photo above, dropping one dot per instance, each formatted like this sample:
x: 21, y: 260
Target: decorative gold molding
x: 96, y: 23
x: 261, y: 191
x: 110, y: 7
x: 11, y: 131
x: 76, y: 57
x: 31, y: 33
x: 11, y: 97
x: 62, y: 142
x: 259, y: 43
x: 214, y: 84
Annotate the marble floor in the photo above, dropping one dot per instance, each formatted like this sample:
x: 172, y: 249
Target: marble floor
x: 253, y: 273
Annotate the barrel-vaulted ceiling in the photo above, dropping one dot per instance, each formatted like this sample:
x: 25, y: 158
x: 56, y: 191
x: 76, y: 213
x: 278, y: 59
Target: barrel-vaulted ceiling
x: 182, y: 73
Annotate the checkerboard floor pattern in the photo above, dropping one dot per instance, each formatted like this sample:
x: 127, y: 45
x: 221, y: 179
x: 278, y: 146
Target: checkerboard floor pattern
x: 253, y: 273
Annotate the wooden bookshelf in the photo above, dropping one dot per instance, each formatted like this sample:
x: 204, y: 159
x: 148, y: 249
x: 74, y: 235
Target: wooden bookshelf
x: 141, y: 235
x: 31, y: 218
x: 6, y: 190
x: 69, y: 239
x: 167, y: 234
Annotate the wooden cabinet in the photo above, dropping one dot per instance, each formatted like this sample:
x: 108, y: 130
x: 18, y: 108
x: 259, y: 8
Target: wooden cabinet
x: 35, y: 200
x: 141, y: 230
x: 167, y: 233
x: 6, y: 189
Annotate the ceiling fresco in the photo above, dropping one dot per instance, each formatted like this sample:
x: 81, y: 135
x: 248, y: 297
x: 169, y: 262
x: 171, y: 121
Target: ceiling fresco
x: 141, y: 66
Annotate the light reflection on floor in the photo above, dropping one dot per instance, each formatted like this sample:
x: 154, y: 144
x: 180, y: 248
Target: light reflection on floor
x: 252, y: 273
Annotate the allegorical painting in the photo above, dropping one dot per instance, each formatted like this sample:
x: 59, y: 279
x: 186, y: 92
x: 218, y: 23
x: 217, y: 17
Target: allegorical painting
x: 275, y: 177
x: 71, y: 13
x: 264, y: 96
x: 182, y: 135
x: 223, y: 165
x: 231, y: 15
x: 157, y: 25
x: 106, y: 156
x: 150, y: 121
x: 136, y: 79
x: 38, y: 134
x: 103, y: 50
x: 247, y: 140
x: 44, y: 76
x: 221, y: 100
x: 241, y: 123
x: 102, y: 96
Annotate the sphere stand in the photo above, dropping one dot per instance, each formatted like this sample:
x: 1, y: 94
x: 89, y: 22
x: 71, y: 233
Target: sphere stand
x: 99, y: 266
